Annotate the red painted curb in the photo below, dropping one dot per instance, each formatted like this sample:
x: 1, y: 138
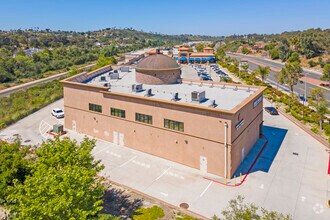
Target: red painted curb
x: 249, y: 170
x: 55, y: 135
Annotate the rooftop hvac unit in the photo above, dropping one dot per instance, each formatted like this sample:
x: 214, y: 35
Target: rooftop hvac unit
x: 149, y: 93
x: 103, y: 78
x: 114, y: 76
x: 124, y: 69
x: 213, y: 104
x: 197, y: 96
x: 137, y: 87
x: 175, y: 97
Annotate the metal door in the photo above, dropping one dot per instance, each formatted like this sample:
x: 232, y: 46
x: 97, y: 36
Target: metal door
x: 74, y: 126
x: 203, y: 164
x: 121, y: 139
x: 115, y: 137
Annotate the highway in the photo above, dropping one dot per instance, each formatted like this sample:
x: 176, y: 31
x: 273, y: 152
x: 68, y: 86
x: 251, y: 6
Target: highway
x: 8, y: 91
x: 299, y: 89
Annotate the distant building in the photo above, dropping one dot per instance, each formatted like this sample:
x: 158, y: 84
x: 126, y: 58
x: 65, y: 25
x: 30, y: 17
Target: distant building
x: 205, y: 125
x: 185, y: 56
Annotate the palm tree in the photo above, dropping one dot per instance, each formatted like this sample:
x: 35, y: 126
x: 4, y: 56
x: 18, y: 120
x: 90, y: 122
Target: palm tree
x: 263, y: 72
x: 290, y: 74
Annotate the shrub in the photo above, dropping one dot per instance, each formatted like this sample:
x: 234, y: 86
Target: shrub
x: 312, y: 63
x: 315, y: 130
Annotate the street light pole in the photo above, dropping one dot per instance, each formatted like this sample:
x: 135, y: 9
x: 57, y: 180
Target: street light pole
x: 305, y: 96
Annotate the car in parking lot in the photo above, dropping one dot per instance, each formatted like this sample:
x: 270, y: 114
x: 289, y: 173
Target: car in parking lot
x: 271, y: 110
x: 206, y: 78
x: 57, y: 113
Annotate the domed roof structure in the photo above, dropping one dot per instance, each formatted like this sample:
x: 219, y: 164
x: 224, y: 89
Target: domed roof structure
x: 157, y: 62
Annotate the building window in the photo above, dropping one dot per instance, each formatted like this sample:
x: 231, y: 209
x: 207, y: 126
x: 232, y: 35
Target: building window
x: 95, y: 108
x: 117, y: 112
x: 174, y: 125
x: 143, y: 118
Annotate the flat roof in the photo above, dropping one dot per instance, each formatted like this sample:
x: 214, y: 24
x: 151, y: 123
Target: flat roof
x: 226, y: 96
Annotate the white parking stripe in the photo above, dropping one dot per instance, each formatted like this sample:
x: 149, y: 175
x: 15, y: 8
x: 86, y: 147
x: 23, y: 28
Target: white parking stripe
x: 206, y: 189
x: 165, y: 171
x: 128, y: 161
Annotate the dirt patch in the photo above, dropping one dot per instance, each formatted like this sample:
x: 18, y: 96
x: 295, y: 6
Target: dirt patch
x: 122, y: 201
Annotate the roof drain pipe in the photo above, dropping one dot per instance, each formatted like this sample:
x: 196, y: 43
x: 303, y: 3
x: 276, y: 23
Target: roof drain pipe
x: 226, y: 128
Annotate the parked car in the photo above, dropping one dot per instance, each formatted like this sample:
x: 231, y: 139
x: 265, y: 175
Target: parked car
x: 58, y: 113
x: 271, y: 110
x: 206, y: 78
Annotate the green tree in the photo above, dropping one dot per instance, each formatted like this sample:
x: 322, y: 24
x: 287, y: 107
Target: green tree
x: 317, y: 99
x: 245, y: 50
x: 13, y: 166
x: 290, y: 74
x: 294, y: 57
x: 326, y: 72
x: 62, y: 184
x: 238, y: 210
x: 104, y: 61
x: 199, y: 47
x: 220, y: 53
x: 274, y: 53
x: 263, y: 72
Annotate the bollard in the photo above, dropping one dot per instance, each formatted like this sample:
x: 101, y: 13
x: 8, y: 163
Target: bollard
x: 234, y: 180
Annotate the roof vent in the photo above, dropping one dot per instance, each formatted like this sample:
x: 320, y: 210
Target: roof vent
x: 149, y: 93
x: 114, y: 76
x: 103, y: 78
x: 213, y: 104
x: 175, y: 97
x: 137, y: 87
x: 107, y: 85
x: 197, y: 96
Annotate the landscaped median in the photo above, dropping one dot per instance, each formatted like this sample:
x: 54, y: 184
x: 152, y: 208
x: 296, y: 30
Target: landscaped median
x: 308, y: 117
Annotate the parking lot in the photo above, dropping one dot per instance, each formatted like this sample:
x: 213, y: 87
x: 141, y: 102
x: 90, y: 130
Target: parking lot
x: 290, y: 176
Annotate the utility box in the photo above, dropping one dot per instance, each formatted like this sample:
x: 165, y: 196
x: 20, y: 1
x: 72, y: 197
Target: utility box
x: 58, y: 128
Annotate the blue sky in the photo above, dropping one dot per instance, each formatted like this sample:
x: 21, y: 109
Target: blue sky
x: 208, y: 17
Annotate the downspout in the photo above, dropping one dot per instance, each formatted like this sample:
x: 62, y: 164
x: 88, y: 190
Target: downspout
x: 226, y: 128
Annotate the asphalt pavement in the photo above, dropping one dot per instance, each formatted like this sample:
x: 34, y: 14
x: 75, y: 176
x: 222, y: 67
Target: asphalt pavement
x: 299, y: 89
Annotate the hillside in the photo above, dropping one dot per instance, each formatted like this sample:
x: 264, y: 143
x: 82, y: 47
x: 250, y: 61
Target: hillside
x: 31, y: 54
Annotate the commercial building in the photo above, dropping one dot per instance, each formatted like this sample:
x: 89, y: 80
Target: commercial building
x: 205, y: 125
x: 185, y: 56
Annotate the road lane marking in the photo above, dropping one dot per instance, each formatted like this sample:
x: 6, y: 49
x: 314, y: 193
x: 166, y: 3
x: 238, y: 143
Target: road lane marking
x: 141, y: 164
x: 128, y: 161
x: 165, y: 171
x: 206, y: 189
x: 164, y: 194
x: 175, y: 175
x: 113, y: 154
x: 97, y: 152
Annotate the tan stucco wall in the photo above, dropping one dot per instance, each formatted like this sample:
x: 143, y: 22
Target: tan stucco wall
x: 203, y: 130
